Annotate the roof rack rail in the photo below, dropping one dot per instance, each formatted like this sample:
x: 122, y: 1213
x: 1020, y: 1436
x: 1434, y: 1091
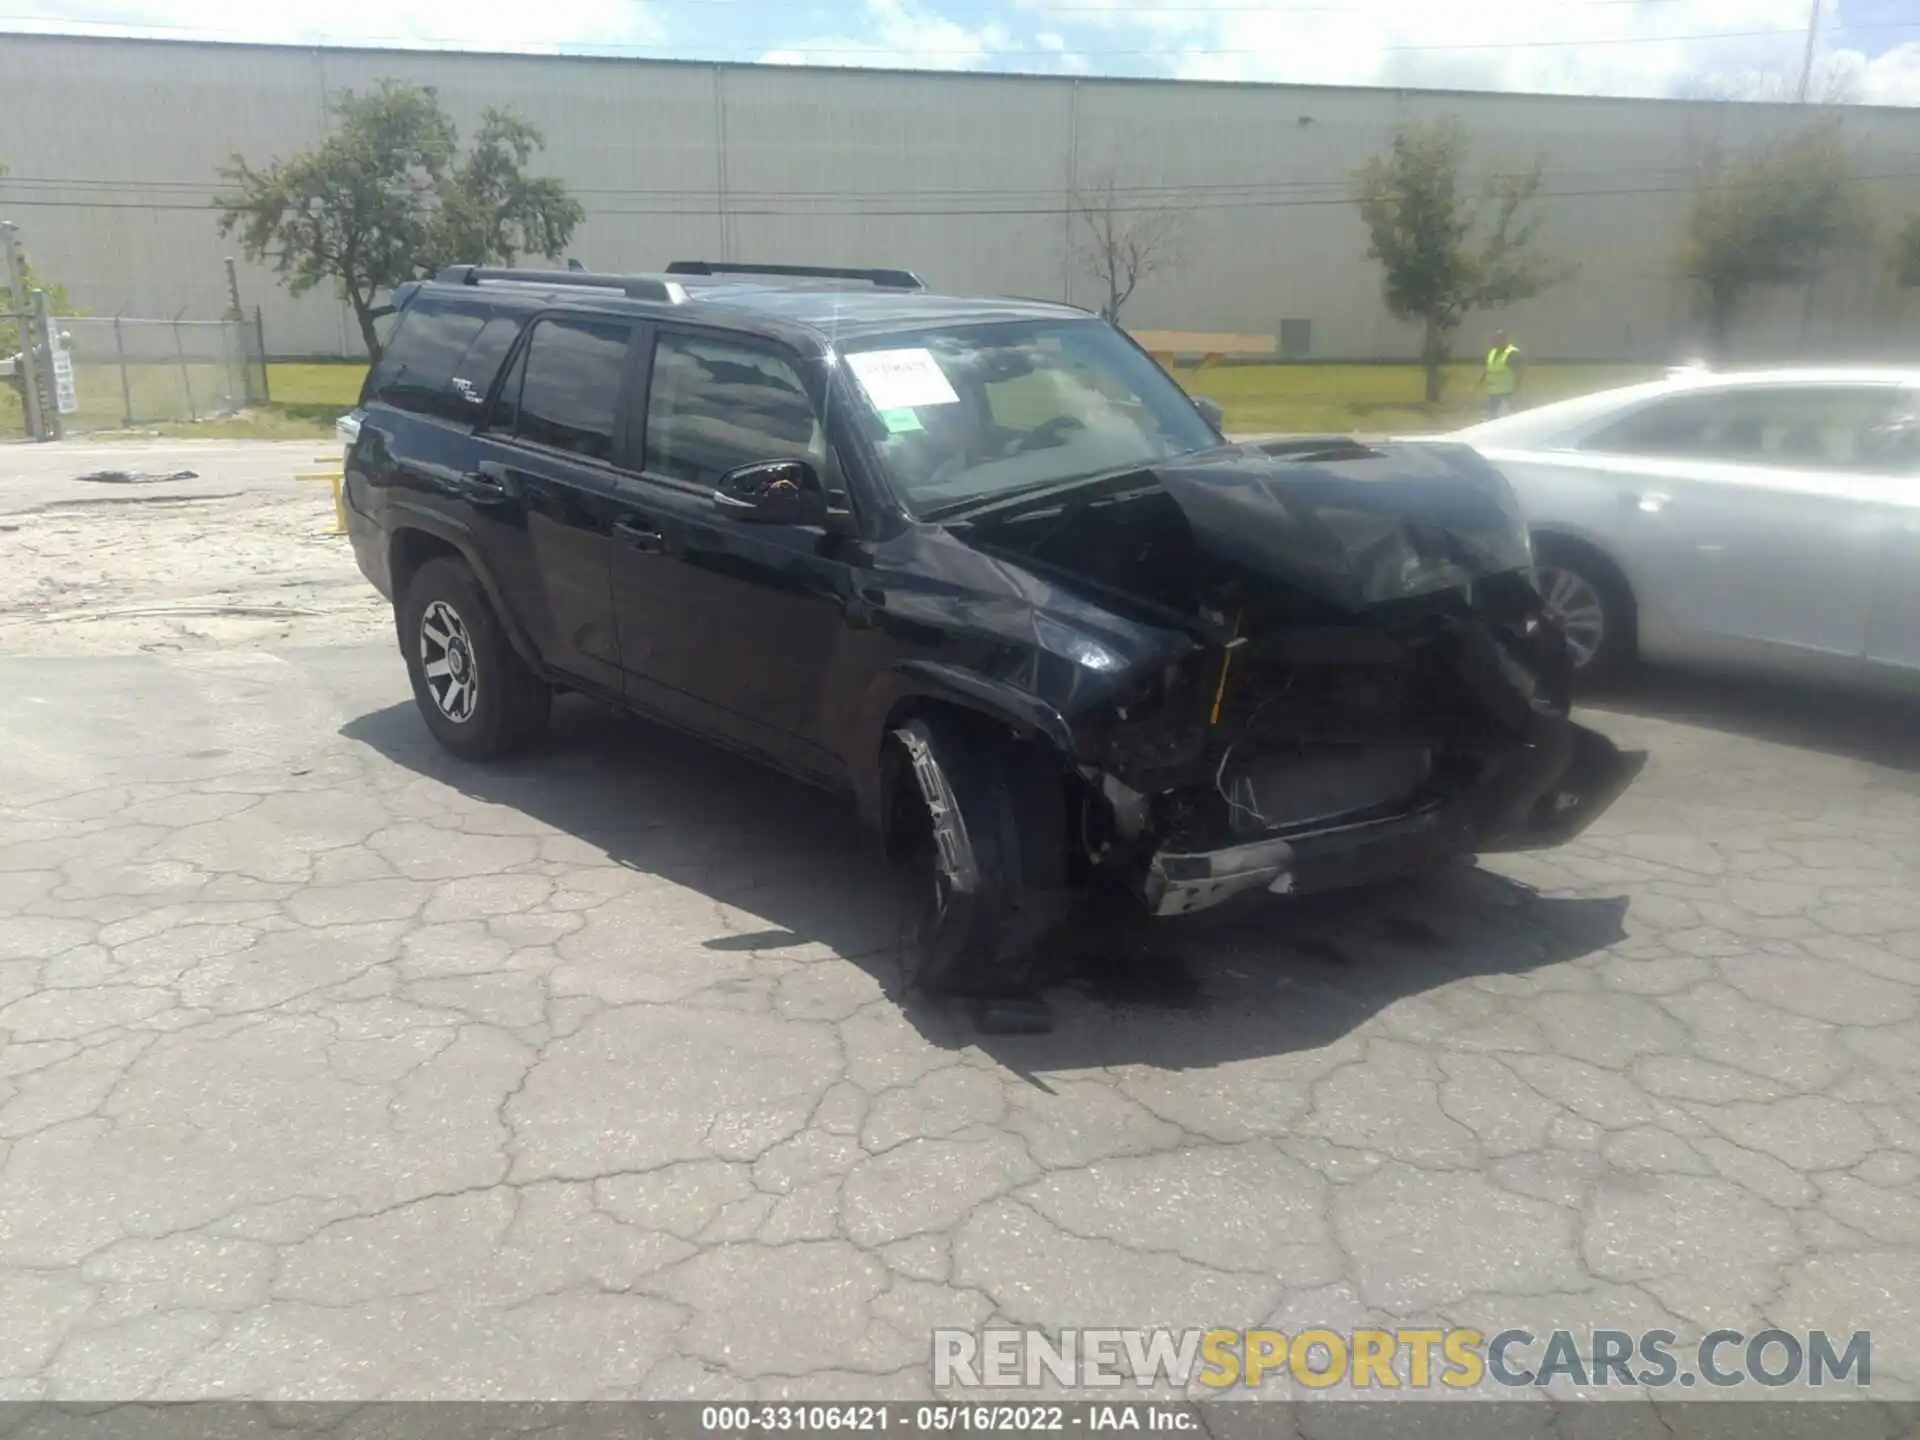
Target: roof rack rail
x: 881, y: 279
x: 634, y: 287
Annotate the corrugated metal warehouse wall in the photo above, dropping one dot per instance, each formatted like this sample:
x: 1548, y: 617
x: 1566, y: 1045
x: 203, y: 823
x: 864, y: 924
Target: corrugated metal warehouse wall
x: 115, y: 146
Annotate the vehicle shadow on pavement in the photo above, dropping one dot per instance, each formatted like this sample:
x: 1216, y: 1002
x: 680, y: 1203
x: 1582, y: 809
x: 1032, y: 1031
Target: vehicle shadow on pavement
x: 1873, y: 726
x: 794, y: 876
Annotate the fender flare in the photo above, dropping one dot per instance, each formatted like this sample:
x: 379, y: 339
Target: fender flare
x: 402, y: 517
x: 1024, y: 714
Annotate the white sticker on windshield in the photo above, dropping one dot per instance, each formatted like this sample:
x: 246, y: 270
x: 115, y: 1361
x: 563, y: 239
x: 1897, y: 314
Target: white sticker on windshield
x: 902, y: 379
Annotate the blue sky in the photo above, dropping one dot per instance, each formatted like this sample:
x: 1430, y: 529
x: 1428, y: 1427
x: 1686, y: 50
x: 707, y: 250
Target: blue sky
x: 1869, y: 49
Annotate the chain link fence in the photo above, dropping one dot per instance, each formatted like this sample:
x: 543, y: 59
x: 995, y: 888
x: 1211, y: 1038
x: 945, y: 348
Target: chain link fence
x: 130, y: 371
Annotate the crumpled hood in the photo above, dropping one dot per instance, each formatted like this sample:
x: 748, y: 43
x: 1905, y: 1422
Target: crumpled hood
x: 1351, y: 525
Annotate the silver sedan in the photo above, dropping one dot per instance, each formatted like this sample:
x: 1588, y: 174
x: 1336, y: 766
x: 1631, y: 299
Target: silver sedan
x: 1751, y: 520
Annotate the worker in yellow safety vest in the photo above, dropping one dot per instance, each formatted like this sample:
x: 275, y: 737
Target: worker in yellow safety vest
x: 1502, y: 375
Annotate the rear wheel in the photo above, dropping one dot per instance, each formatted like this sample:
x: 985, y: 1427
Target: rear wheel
x: 1590, y: 603
x: 983, y: 825
x: 477, y: 695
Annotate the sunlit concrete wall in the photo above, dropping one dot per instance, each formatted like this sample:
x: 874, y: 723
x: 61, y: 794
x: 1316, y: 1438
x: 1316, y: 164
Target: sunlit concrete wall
x: 115, y: 148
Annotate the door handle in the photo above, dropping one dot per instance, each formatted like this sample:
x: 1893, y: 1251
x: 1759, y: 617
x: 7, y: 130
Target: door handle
x: 638, y: 535
x: 1652, y: 502
x: 490, y: 484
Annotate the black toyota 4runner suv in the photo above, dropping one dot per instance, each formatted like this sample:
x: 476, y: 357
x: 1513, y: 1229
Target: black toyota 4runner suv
x: 979, y: 563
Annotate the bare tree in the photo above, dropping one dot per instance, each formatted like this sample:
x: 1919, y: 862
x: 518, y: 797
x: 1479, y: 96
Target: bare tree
x: 1121, y: 240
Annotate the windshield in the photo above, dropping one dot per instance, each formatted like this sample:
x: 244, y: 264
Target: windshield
x: 972, y: 412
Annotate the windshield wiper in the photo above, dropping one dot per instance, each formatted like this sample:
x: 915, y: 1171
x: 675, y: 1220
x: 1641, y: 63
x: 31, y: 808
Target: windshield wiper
x: 994, y: 498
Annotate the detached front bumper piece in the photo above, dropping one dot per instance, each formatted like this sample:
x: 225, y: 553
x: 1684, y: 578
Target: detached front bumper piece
x: 1546, y: 798
x: 1335, y: 858
x: 1179, y: 884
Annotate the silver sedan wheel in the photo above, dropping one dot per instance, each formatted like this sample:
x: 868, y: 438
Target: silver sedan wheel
x: 446, y: 657
x: 1574, y: 604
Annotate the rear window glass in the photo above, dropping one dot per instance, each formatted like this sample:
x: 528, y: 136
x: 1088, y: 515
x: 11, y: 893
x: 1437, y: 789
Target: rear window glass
x: 442, y: 359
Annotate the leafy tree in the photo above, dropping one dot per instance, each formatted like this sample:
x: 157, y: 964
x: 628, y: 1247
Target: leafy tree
x: 1120, y: 244
x: 387, y: 198
x: 1444, y: 253
x: 1778, y: 216
x: 1906, y: 253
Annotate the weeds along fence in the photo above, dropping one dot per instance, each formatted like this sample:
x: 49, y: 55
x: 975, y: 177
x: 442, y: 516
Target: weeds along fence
x: 130, y: 371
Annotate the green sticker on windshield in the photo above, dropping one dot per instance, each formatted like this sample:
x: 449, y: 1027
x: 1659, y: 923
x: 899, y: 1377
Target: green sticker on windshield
x: 901, y: 422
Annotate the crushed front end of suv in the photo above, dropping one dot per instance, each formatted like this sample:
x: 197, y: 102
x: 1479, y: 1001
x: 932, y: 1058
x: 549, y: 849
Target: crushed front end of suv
x: 981, y: 565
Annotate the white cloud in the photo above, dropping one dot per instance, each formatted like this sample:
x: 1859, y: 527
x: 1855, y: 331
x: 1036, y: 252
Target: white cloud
x: 1065, y: 57
x: 1894, y: 77
x: 512, y: 25
x: 1606, y: 47
x: 901, y: 35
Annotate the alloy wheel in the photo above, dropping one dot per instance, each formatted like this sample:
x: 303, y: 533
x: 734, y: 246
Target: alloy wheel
x: 446, y: 658
x: 1574, y: 603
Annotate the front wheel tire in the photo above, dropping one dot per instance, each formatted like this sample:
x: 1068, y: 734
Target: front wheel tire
x: 985, y: 822
x: 478, y: 697
x: 1591, y: 607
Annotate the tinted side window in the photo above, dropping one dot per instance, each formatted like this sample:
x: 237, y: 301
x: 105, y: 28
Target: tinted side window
x: 1818, y: 428
x: 417, y: 371
x: 1686, y: 425
x: 714, y: 406
x: 570, y: 391
x: 1829, y: 427
x: 473, y: 376
x: 1893, y: 447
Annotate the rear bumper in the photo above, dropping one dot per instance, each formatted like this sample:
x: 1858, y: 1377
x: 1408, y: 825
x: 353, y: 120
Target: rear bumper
x: 1546, y: 794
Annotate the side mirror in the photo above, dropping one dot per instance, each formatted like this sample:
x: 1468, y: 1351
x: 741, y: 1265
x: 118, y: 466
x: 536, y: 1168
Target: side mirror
x: 1215, y: 415
x: 773, y: 492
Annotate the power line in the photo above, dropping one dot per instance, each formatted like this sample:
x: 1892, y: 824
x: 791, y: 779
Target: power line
x: 1282, y: 183
x: 991, y: 211
x: 647, y: 49
x: 1154, y: 193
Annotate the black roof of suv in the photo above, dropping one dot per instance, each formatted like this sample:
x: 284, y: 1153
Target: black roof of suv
x: 980, y: 563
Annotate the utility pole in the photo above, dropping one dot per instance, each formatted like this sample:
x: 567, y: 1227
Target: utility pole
x: 23, y: 310
x: 1806, y: 64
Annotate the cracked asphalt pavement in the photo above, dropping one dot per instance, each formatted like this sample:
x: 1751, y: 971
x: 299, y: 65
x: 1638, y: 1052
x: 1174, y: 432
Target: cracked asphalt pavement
x: 332, y: 1068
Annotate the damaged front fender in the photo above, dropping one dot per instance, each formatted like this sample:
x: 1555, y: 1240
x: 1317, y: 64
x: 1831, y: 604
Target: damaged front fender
x: 903, y: 686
